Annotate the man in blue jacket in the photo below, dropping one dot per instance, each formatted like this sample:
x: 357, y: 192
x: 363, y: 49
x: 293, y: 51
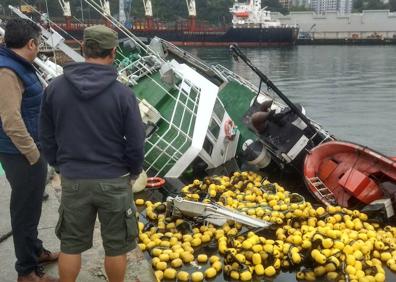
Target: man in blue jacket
x: 92, y: 132
x: 20, y: 98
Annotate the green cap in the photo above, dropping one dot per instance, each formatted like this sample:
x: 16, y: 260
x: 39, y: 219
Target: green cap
x: 104, y: 36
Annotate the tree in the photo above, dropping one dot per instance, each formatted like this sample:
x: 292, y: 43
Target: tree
x: 213, y: 11
x: 358, y: 5
x: 374, y: 5
x: 392, y: 5
x: 274, y: 5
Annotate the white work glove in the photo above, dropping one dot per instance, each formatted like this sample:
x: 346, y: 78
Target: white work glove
x: 138, y: 183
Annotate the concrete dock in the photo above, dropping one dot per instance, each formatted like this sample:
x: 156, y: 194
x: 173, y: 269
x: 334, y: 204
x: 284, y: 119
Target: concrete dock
x: 139, y: 269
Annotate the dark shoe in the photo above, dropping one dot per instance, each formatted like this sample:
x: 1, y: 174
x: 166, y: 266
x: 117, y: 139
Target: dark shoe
x: 44, y: 277
x: 37, y: 276
x: 31, y: 277
x: 47, y: 257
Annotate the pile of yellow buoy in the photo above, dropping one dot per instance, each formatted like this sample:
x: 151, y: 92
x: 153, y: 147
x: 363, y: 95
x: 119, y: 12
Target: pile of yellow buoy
x: 333, y: 242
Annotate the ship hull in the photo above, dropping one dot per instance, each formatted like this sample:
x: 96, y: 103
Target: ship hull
x: 248, y: 37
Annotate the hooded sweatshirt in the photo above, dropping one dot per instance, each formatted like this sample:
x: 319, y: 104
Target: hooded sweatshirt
x: 90, y: 124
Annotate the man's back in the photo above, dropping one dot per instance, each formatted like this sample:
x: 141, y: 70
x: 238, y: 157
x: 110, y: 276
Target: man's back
x: 92, y: 130
x: 96, y: 121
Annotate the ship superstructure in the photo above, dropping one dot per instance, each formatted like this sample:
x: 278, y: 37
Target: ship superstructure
x: 252, y: 15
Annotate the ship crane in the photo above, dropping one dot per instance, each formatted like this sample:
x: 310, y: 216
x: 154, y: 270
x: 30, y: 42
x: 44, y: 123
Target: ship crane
x: 66, y: 12
x: 192, y: 13
x: 105, y: 6
x: 148, y: 12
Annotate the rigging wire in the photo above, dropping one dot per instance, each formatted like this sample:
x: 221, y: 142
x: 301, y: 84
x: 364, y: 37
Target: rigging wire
x: 66, y: 32
x: 54, y: 24
x: 52, y: 39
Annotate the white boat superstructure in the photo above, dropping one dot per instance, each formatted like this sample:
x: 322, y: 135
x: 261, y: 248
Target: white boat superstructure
x: 252, y: 15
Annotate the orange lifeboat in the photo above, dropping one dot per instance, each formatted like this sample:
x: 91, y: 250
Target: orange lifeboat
x: 242, y: 14
x: 348, y: 174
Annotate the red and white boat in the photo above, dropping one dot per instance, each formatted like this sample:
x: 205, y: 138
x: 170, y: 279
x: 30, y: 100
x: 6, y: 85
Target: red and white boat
x: 348, y: 174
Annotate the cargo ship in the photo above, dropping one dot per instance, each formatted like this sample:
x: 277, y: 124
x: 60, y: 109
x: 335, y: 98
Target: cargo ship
x: 251, y: 26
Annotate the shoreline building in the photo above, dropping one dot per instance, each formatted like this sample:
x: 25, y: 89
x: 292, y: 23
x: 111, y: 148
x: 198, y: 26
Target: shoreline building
x: 324, y: 6
x: 301, y: 3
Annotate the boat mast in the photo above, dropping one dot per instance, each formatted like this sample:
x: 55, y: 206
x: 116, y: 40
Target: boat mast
x: 192, y: 13
x: 65, y: 5
x: 148, y: 13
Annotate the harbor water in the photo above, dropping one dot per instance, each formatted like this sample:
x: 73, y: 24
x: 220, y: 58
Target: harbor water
x: 349, y: 90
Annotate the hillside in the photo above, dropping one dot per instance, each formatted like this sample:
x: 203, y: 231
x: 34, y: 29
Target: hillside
x: 214, y: 11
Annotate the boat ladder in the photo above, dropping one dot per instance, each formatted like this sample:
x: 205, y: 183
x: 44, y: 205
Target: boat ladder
x: 321, y: 189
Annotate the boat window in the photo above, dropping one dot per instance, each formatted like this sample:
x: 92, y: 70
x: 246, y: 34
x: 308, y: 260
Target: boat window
x: 208, y: 146
x: 214, y: 128
x: 219, y: 110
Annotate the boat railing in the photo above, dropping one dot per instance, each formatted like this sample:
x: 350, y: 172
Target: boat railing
x: 180, y: 114
x: 121, y: 28
x: 229, y: 75
x: 325, y: 135
x: 178, y: 134
x: 140, y: 68
x: 185, y: 55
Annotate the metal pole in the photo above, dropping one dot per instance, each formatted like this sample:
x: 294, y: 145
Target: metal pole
x: 271, y: 85
x: 82, y: 10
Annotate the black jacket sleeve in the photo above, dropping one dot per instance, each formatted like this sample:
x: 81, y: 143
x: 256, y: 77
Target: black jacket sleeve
x: 47, y: 139
x: 134, y: 135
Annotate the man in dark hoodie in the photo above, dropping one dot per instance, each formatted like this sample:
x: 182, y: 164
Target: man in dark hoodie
x: 25, y: 169
x: 92, y: 132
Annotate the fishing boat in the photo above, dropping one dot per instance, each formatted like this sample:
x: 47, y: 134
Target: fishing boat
x: 349, y: 174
